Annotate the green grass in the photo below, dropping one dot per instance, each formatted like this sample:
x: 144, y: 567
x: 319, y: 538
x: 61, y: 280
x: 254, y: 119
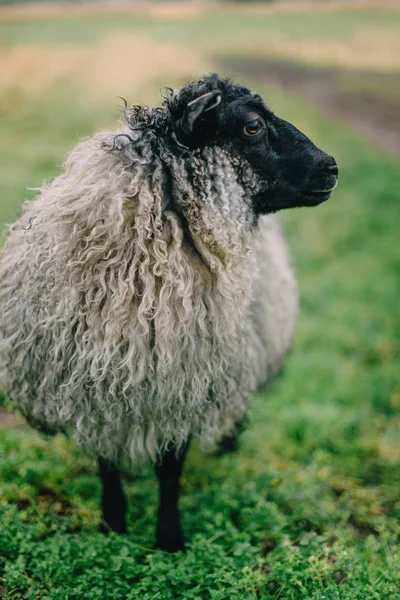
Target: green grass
x: 309, y: 508
x: 222, y: 31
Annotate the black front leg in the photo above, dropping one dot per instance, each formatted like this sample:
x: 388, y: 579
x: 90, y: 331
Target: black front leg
x: 168, y: 470
x: 113, y: 499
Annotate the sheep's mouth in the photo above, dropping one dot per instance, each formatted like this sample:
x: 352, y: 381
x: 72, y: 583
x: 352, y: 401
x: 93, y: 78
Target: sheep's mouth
x: 315, y: 197
x: 277, y: 199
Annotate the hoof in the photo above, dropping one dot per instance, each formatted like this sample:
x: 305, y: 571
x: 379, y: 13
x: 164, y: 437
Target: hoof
x: 170, y: 539
x: 107, y: 527
x: 171, y: 545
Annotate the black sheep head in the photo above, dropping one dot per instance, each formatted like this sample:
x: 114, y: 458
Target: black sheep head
x: 291, y: 170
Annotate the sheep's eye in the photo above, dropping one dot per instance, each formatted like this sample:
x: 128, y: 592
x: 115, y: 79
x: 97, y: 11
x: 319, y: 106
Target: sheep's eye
x: 253, y: 127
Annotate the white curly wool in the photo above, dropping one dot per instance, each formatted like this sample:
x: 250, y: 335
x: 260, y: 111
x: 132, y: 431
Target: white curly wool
x: 134, y: 323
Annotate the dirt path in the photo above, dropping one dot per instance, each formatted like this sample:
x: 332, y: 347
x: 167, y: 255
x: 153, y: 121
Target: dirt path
x: 369, y: 102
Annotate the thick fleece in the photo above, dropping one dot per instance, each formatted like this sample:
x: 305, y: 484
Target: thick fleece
x: 141, y: 302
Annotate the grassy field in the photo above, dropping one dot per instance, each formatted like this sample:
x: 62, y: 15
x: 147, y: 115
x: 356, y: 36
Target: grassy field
x: 308, y: 508
x: 346, y: 37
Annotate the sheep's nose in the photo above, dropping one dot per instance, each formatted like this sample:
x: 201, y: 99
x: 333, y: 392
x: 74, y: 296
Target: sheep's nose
x: 330, y: 167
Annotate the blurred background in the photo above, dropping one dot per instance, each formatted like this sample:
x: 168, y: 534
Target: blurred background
x: 309, y: 507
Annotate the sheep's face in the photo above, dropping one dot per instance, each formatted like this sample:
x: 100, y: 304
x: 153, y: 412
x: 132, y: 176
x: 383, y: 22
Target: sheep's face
x: 288, y: 169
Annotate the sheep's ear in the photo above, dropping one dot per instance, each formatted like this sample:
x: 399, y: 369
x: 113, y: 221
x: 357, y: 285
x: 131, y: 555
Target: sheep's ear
x: 196, y: 108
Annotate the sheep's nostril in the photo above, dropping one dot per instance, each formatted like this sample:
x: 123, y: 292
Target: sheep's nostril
x: 328, y: 176
x: 331, y: 168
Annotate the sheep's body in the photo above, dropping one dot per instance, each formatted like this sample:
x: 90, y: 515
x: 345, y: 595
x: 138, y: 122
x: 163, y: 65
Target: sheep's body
x: 146, y: 293
x: 115, y: 323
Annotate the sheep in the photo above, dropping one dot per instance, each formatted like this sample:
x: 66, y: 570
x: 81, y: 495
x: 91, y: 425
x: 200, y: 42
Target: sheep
x: 147, y: 293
